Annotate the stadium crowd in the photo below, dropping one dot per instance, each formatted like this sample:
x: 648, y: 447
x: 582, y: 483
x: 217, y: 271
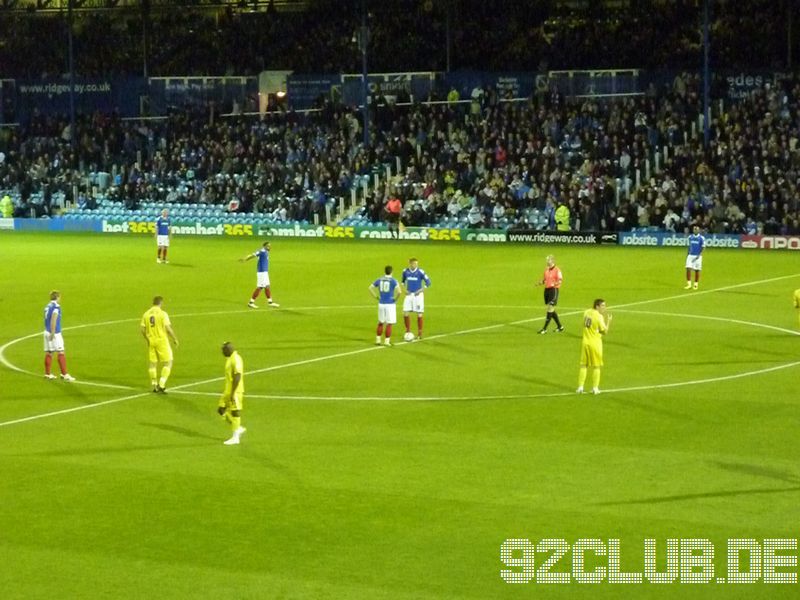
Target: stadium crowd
x: 542, y: 163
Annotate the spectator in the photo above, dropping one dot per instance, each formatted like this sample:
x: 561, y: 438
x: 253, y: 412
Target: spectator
x: 475, y: 217
x: 562, y: 216
x: 6, y: 206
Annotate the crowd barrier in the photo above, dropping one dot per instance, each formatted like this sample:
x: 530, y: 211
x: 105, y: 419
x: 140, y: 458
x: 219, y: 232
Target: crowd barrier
x: 256, y: 228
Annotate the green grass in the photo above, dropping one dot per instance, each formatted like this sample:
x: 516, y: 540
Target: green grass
x: 332, y: 496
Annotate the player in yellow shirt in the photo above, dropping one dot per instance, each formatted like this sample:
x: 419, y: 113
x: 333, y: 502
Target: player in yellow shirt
x: 595, y: 326
x: 157, y: 332
x: 231, y: 403
x: 797, y: 301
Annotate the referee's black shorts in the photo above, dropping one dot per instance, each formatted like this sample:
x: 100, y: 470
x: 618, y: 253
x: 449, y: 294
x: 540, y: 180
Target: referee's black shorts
x: 551, y: 296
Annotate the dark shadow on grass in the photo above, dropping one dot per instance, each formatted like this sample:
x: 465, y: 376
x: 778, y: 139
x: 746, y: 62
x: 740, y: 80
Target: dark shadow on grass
x: 740, y: 292
x: 286, y: 311
x: 533, y: 381
x: 758, y: 471
x: 180, y: 265
x: 617, y: 344
x: 180, y: 430
x: 650, y: 407
x: 184, y: 405
x: 266, y: 462
x: 781, y: 356
x: 337, y: 345
x: 701, y: 496
x: 426, y: 351
x: 75, y: 392
x: 107, y: 450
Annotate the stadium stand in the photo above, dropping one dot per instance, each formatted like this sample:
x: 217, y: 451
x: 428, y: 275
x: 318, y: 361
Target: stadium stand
x: 617, y: 164
x: 511, y: 164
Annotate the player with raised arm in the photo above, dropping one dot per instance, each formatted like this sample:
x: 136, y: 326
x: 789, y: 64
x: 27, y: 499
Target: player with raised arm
x: 162, y: 236
x: 262, y: 275
x: 415, y: 280
x: 595, y: 326
x: 157, y: 330
x: 232, y: 401
x: 386, y: 290
x: 53, y: 340
x: 694, y: 259
x: 551, y: 280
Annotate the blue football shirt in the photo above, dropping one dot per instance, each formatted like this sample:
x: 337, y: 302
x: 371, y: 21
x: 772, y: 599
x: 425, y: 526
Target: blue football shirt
x: 263, y: 260
x: 415, y: 279
x: 386, y: 286
x: 52, y: 307
x: 162, y: 226
x: 696, y: 243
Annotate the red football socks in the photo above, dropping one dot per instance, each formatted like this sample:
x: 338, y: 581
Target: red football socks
x: 62, y: 362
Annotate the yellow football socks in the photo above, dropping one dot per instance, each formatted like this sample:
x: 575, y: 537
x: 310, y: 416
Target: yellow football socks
x: 164, y: 375
x: 581, y: 376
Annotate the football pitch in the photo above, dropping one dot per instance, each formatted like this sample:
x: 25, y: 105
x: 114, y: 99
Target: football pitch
x: 372, y: 472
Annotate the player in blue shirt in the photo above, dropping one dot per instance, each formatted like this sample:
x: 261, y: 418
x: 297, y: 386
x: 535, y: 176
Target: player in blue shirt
x: 53, y: 340
x: 694, y: 259
x: 262, y: 275
x: 162, y: 236
x: 386, y: 290
x: 415, y: 281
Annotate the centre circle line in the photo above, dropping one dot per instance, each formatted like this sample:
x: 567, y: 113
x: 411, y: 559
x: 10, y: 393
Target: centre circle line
x: 620, y: 307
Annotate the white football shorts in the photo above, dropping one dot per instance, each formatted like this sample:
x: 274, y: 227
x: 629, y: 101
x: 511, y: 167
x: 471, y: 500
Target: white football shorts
x: 387, y: 314
x: 162, y: 240
x: 54, y: 345
x: 694, y: 261
x: 262, y: 279
x: 414, y: 303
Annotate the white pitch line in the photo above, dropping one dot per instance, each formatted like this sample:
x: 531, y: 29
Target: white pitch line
x: 692, y: 293
x: 387, y: 398
x: 71, y: 410
x: 5, y: 362
x: 638, y: 388
x: 710, y: 318
x: 557, y: 394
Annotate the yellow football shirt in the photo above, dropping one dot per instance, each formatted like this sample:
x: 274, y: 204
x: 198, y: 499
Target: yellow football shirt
x: 233, y: 365
x: 797, y: 302
x: 155, y: 322
x: 594, y: 325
